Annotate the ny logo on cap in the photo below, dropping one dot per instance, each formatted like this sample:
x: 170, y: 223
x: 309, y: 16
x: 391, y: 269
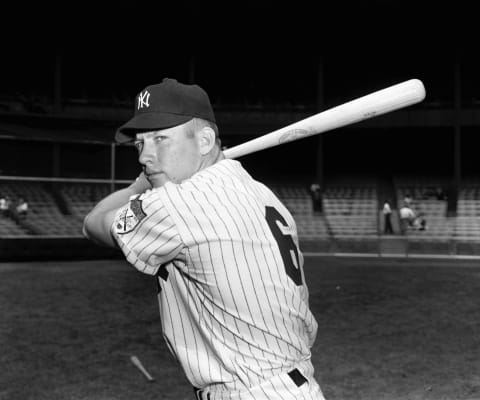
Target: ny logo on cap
x: 143, y: 99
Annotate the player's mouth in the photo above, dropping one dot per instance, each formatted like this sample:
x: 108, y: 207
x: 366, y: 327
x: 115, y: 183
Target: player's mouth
x: 149, y: 173
x: 152, y: 173
x: 152, y: 176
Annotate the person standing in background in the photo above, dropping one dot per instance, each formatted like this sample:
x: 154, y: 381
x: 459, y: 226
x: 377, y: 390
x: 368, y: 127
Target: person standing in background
x: 21, y: 208
x: 3, y: 206
x: 387, y: 217
x: 317, y: 201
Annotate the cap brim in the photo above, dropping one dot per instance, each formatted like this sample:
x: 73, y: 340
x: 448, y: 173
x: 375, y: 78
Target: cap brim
x: 148, y: 122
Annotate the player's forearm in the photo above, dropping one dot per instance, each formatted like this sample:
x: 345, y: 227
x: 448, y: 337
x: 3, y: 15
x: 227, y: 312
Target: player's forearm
x: 97, y: 223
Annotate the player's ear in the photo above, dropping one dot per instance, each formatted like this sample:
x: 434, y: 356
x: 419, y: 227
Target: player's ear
x: 206, y: 139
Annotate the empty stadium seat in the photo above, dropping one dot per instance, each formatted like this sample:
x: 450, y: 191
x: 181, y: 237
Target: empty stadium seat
x: 351, y: 208
x: 44, y: 216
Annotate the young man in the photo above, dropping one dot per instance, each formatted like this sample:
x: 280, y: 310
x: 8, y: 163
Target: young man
x: 387, y: 217
x: 21, y: 208
x: 224, y: 250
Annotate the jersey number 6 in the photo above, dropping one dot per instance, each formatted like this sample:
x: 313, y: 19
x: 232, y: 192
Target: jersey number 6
x: 285, y: 244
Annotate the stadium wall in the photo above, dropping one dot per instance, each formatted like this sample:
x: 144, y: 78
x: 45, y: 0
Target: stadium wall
x: 394, y: 246
x: 49, y: 248
x: 78, y: 248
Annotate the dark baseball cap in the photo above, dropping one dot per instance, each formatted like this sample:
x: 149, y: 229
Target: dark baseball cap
x: 165, y: 105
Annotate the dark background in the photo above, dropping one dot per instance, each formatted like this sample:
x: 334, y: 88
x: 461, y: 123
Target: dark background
x: 241, y: 48
x: 259, y: 53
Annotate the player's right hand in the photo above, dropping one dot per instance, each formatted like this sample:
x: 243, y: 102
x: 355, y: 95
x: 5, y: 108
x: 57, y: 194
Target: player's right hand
x: 141, y: 184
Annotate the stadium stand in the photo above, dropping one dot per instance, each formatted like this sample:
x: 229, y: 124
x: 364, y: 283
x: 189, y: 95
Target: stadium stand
x: 8, y: 227
x: 427, y: 200
x: 81, y: 197
x: 297, y: 200
x: 59, y: 210
x: 44, y: 215
x: 350, y: 222
x: 467, y: 224
x: 351, y: 209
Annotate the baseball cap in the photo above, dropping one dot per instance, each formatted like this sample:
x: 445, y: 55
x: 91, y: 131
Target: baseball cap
x: 165, y: 105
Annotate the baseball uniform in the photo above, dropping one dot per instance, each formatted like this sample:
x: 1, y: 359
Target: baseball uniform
x: 232, y: 295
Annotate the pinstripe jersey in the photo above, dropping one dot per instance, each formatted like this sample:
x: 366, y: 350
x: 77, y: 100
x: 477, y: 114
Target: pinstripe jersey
x: 232, y: 295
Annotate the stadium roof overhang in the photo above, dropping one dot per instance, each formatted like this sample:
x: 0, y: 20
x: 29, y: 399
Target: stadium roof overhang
x: 56, y: 129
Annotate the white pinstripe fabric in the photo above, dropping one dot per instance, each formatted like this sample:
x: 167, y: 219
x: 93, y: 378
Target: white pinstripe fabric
x: 230, y: 313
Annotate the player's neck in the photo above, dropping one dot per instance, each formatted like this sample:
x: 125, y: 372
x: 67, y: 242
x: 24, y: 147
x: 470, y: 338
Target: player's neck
x: 213, y: 157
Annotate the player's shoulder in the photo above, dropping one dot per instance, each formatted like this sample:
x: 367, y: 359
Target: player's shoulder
x: 223, y: 168
x: 221, y: 173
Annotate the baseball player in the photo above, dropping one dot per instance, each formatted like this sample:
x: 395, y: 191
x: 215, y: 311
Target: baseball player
x: 223, y: 248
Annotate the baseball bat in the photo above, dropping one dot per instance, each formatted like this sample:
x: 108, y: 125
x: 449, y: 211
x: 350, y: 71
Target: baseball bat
x: 374, y: 104
x: 139, y: 365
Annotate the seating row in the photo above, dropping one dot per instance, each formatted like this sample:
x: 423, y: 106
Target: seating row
x: 356, y: 213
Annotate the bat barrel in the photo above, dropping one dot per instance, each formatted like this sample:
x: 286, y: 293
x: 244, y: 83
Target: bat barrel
x: 374, y: 104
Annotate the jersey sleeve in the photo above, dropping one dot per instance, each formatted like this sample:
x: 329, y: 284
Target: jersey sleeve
x: 146, y: 233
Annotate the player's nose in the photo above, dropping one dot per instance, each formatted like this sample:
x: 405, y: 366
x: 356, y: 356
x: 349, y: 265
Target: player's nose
x: 147, y: 155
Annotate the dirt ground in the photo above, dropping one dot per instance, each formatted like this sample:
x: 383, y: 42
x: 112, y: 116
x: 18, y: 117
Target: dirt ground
x: 388, y: 329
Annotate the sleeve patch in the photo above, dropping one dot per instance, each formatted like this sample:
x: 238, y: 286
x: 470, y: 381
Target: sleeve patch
x: 128, y: 219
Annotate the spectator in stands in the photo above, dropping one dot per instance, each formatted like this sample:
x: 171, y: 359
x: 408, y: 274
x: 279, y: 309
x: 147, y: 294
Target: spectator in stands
x: 407, y: 200
x: 21, y: 208
x: 316, y: 194
x: 8, y: 207
x: 387, y: 214
x: 440, y: 194
x: 407, y: 216
x: 429, y: 193
x: 3, y: 206
x: 420, y: 223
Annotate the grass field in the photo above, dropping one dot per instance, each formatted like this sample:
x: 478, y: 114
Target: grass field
x: 388, y: 329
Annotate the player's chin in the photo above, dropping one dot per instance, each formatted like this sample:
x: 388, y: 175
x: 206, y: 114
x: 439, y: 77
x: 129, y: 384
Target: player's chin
x: 157, y: 179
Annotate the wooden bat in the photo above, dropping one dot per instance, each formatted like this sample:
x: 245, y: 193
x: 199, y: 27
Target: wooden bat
x: 377, y: 103
x: 139, y: 365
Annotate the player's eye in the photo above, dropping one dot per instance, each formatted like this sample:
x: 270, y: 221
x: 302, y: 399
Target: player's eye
x: 138, y: 144
x: 159, y: 138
